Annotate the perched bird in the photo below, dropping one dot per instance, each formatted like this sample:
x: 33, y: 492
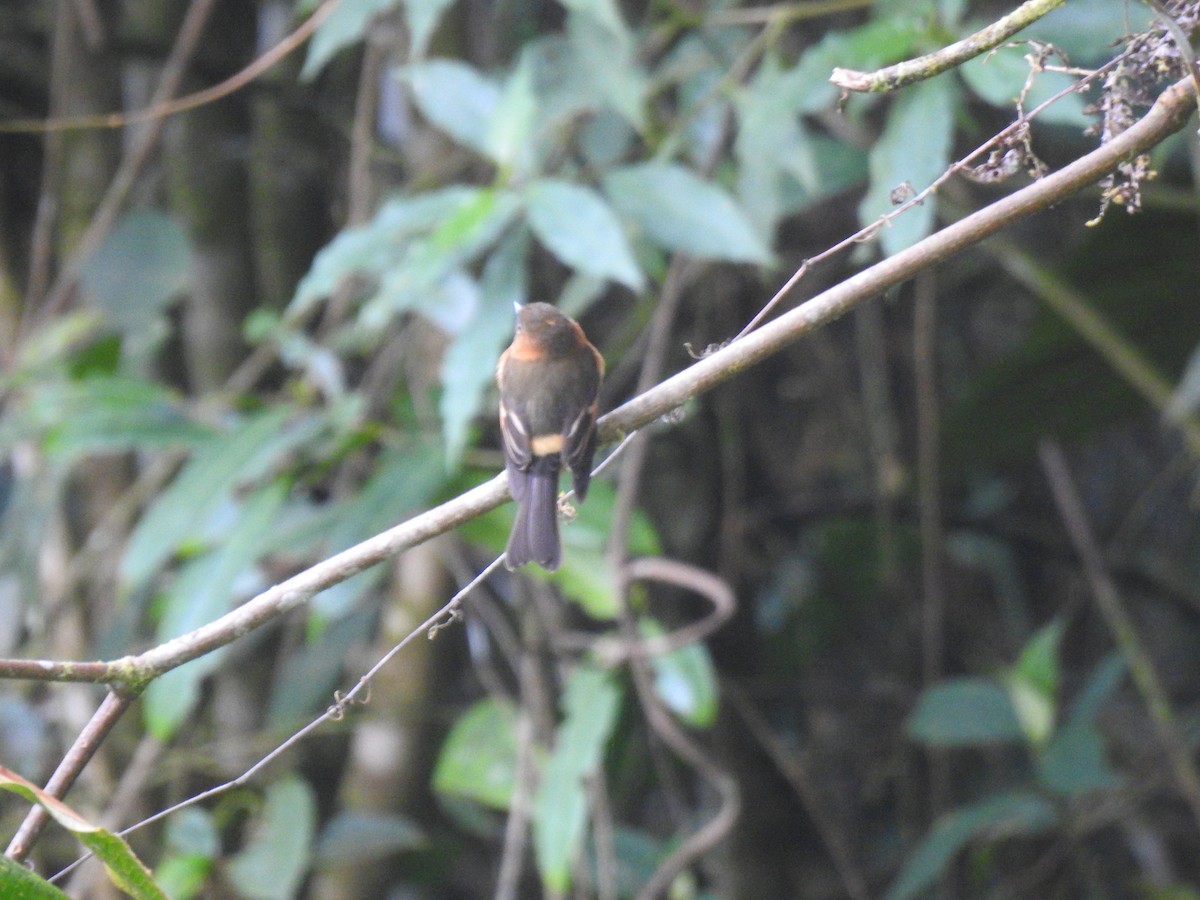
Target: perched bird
x: 549, y: 378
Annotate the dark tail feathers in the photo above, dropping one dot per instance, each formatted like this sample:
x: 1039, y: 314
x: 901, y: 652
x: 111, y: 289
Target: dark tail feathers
x: 534, y: 535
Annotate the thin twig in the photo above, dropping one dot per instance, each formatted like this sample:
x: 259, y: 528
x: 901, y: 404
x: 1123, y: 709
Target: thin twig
x: 132, y: 164
x: 1120, y: 624
x: 794, y: 771
x: 89, y: 740
x: 233, y: 83
x: 360, y: 693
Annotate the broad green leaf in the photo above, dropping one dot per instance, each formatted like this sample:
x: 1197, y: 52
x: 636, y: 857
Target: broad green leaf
x: 193, y: 830
x: 355, y: 837
x: 883, y: 40
x: 1075, y: 762
x: 603, y: 12
x: 203, y: 591
x: 404, y: 479
x: 183, y: 875
x: 98, y: 414
x: 1016, y: 814
x: 585, y: 575
x: 678, y: 210
x: 685, y: 680
x: 913, y: 150
x: 373, y: 248
x: 581, y: 76
x: 591, y: 703
x: 470, y: 360
x: 428, y: 276
x: 1106, y: 678
x: 346, y: 25
x: 608, y: 68
x: 1087, y: 29
x: 478, y: 758
x: 963, y: 712
x: 1033, y: 684
x: 821, y: 166
x: 1000, y: 76
x: 103, y: 414
x: 20, y: 883
x: 767, y: 127
x: 1038, y: 663
x: 577, y: 225
x: 180, y: 512
x: 273, y: 862
x: 124, y: 869
x: 456, y: 98
x: 423, y: 17
x: 509, y: 138
x: 143, y: 264
x: 309, y: 677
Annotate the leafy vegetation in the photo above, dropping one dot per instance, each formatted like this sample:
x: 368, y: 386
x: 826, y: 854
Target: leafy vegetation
x: 937, y: 676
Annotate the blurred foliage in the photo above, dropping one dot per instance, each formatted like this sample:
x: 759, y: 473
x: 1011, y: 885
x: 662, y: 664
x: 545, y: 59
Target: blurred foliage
x: 454, y: 160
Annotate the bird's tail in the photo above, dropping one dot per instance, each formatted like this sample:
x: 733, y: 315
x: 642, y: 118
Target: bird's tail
x: 534, y: 535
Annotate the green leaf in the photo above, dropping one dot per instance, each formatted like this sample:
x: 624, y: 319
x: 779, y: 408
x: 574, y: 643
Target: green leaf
x: 1087, y: 29
x: 101, y: 415
x: 429, y: 278
x: 768, y: 131
x: 373, y: 248
x: 274, y: 861
x: 308, y: 678
x: 1075, y: 762
x: 346, y: 25
x: 607, y: 68
x: 423, y: 17
x: 456, y: 98
x: 143, y: 264
x: 180, y: 512
x: 963, y: 712
x: 478, y: 758
x: 404, y: 479
x: 678, y: 210
x: 470, y: 360
x: 883, y: 40
x: 19, y: 883
x: 183, y: 876
x: 1018, y: 813
x: 1000, y: 76
x: 124, y: 869
x: 586, y: 576
x: 203, y: 591
x: 355, y: 838
x: 913, y: 150
x: 1038, y: 663
x: 603, y: 12
x: 509, y: 138
x: 577, y: 225
x: 591, y: 703
x: 685, y: 680
x: 1033, y: 684
x: 1104, y: 681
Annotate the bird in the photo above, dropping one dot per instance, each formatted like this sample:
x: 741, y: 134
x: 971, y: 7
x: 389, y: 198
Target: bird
x: 549, y: 380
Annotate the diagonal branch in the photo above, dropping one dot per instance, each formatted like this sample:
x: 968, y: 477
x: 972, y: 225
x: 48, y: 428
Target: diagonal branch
x: 1167, y: 116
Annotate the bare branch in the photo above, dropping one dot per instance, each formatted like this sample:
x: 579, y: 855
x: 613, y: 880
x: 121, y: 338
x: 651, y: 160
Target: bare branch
x: 923, y: 67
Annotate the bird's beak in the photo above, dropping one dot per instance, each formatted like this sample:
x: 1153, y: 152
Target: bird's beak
x: 516, y: 306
